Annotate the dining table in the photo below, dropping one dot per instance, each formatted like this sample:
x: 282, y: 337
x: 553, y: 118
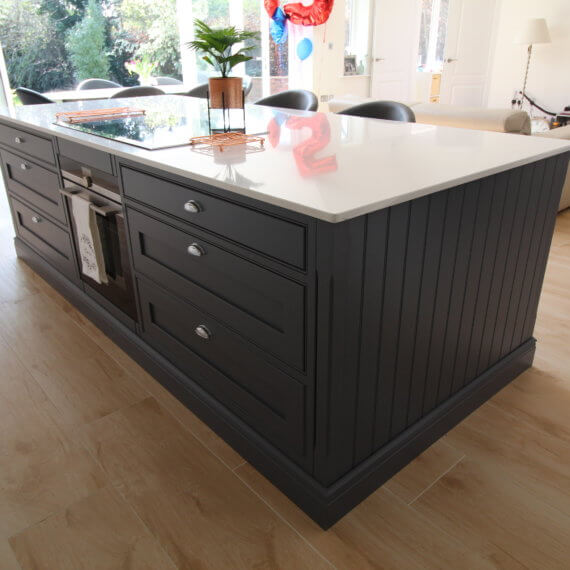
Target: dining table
x: 93, y: 94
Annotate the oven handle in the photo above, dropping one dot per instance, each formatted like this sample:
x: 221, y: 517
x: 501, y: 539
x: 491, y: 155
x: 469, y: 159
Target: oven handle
x: 106, y: 211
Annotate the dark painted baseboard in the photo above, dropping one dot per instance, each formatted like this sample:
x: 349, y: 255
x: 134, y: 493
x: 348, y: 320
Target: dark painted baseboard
x: 325, y: 505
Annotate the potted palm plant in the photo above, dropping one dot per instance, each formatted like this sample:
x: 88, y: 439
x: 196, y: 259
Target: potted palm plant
x: 216, y: 46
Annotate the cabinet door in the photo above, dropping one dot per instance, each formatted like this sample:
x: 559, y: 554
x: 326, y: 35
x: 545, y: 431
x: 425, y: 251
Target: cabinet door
x: 49, y: 240
x: 264, y: 307
x: 226, y: 367
x: 34, y: 184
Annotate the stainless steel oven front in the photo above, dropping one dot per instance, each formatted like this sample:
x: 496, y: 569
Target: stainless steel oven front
x: 117, y: 287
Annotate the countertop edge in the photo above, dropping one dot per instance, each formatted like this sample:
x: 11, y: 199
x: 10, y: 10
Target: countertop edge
x: 331, y: 217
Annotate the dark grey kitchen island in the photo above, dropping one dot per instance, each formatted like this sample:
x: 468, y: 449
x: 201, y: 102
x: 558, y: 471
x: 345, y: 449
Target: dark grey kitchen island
x: 330, y: 304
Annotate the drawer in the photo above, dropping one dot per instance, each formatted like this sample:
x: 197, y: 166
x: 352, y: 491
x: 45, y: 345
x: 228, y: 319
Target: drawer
x: 36, y: 185
x: 265, y: 308
x: 53, y: 243
x: 226, y: 367
x: 33, y: 145
x: 86, y: 155
x: 277, y: 238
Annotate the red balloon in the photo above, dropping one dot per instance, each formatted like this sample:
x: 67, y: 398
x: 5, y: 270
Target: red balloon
x: 304, y: 153
x: 271, y: 6
x: 314, y: 15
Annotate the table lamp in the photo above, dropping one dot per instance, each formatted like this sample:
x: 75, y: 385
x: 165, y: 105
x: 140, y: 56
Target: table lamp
x: 535, y: 31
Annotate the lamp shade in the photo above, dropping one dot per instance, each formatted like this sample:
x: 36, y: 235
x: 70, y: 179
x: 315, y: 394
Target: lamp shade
x: 535, y: 31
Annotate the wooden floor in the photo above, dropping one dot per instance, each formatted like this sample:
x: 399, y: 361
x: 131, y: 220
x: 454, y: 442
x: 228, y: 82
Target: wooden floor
x: 100, y: 468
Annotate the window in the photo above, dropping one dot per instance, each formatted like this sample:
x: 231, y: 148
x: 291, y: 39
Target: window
x: 357, y: 37
x: 54, y: 44
x: 433, y: 32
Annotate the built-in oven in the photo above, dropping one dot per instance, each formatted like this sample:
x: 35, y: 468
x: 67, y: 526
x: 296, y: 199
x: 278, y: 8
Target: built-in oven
x: 113, y: 280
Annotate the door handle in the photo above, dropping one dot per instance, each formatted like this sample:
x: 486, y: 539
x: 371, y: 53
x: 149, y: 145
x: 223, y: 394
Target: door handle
x: 450, y: 60
x: 101, y: 210
x: 379, y: 59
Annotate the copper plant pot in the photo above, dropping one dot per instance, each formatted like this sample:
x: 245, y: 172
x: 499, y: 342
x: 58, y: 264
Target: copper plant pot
x: 232, y: 90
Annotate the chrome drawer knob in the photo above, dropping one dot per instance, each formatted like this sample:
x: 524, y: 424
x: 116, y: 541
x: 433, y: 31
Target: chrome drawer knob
x: 36, y: 219
x: 25, y: 166
x: 203, y: 332
x: 18, y: 140
x: 195, y: 250
x: 193, y: 207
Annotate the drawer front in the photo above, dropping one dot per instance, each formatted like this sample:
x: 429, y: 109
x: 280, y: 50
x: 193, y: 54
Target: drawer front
x: 53, y: 243
x: 34, y: 184
x: 86, y: 155
x: 225, y: 367
x: 265, y: 308
x: 277, y: 238
x: 32, y: 145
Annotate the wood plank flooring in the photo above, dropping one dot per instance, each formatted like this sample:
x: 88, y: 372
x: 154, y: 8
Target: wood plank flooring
x: 101, y: 469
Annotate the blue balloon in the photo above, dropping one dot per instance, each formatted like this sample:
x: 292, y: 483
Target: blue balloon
x: 278, y: 27
x: 304, y: 48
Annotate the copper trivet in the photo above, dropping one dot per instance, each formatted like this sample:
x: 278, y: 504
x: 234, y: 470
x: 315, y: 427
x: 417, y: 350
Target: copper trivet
x: 73, y: 117
x: 220, y: 140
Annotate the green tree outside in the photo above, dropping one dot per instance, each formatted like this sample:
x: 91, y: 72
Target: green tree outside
x: 86, y: 44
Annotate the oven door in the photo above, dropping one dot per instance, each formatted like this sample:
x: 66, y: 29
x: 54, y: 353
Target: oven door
x: 118, y: 289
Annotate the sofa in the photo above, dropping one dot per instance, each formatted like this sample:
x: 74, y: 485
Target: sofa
x: 498, y: 120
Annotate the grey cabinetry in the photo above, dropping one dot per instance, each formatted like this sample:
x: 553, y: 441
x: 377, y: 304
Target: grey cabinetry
x: 38, y: 209
x: 328, y: 354
x: 213, y: 302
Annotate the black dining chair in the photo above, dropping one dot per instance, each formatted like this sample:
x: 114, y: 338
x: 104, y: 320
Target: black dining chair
x: 166, y: 81
x: 200, y: 91
x: 31, y: 97
x: 97, y: 84
x: 299, y: 99
x: 137, y: 91
x: 389, y: 110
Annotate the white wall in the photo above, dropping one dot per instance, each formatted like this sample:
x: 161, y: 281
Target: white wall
x: 549, y: 76
x: 328, y: 60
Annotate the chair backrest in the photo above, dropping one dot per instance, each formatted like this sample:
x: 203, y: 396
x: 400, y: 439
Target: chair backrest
x: 137, y: 91
x: 390, y: 110
x: 299, y: 99
x: 31, y: 97
x: 198, y: 91
x: 96, y: 84
x: 166, y: 81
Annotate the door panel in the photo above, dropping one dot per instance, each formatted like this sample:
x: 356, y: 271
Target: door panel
x: 396, y: 33
x: 466, y: 68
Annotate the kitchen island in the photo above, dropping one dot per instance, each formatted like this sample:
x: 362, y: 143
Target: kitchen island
x: 330, y: 303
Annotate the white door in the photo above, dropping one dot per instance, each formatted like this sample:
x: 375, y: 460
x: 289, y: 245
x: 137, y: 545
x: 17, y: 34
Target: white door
x: 468, y: 52
x: 395, y: 48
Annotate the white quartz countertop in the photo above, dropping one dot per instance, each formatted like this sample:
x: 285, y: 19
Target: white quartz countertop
x: 327, y: 166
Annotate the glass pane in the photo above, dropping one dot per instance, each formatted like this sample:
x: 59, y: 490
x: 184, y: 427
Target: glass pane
x: 253, y: 68
x: 425, y: 28
x: 441, y: 32
x: 278, y: 66
x: 357, y: 37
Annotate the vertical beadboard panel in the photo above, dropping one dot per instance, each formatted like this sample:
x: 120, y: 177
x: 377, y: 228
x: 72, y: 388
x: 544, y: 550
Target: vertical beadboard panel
x: 560, y: 170
x: 373, y: 295
x: 341, y: 251
x: 443, y: 296
x: 530, y: 221
x: 426, y: 310
x: 505, y: 246
x: 458, y: 288
x: 488, y: 268
x: 473, y: 282
x: 524, y: 189
x: 391, y: 319
x: 419, y: 212
x: 419, y: 299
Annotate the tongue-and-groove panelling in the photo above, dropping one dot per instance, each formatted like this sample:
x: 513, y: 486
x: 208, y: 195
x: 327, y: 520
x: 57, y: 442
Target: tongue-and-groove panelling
x: 422, y: 298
